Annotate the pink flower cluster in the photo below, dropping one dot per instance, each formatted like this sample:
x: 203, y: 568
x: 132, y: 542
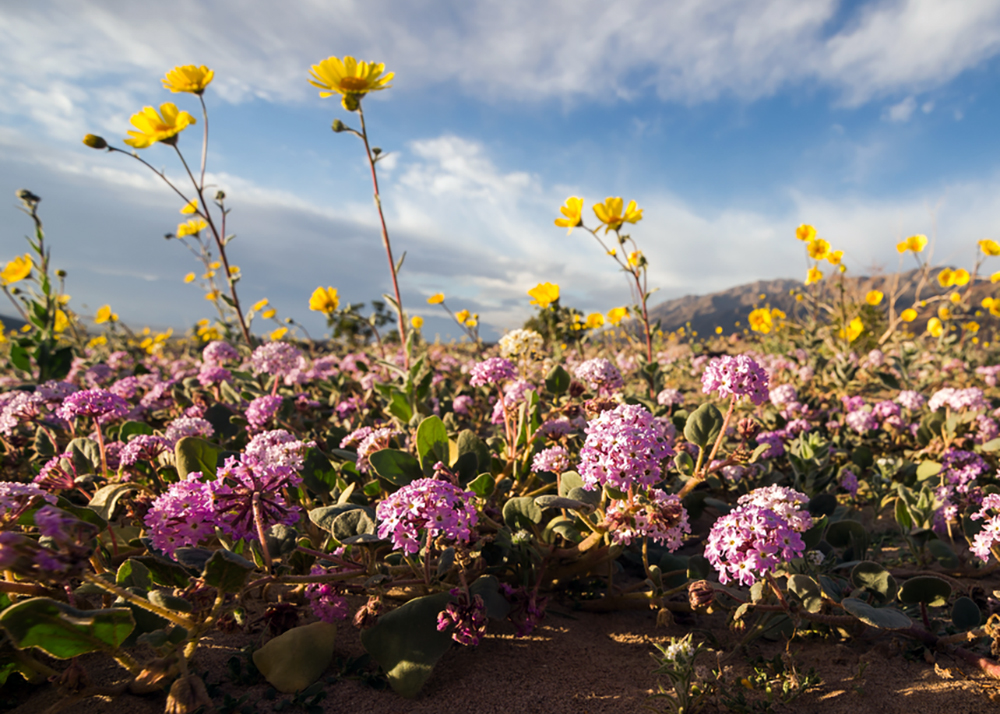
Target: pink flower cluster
x: 656, y: 515
x: 958, y: 399
x: 738, y: 376
x: 492, y: 371
x: 437, y: 507
x: 989, y: 537
x: 624, y: 448
x: 600, y: 375
x: 762, y: 532
x: 554, y: 459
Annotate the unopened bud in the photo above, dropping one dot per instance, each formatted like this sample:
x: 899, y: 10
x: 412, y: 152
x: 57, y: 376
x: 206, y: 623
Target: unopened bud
x: 701, y: 595
x: 220, y: 195
x: 747, y: 429
x: 27, y: 197
x: 60, y: 273
x: 95, y: 142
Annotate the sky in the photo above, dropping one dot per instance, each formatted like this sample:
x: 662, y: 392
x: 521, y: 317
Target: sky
x: 730, y: 122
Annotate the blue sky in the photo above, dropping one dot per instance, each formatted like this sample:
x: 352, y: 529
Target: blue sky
x: 730, y: 122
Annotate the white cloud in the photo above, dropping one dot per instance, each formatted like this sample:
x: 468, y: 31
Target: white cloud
x: 901, y: 112
x: 74, y: 66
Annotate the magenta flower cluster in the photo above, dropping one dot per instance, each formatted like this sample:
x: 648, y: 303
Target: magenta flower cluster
x: 738, y: 376
x: 492, y: 371
x: 958, y: 399
x: 97, y: 404
x: 554, y: 459
x: 600, y: 375
x: 989, y: 537
x: 656, y: 515
x: 624, y: 448
x: 762, y: 532
x: 437, y: 507
x: 277, y: 358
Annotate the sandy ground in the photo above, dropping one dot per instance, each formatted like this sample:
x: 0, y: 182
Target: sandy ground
x: 581, y: 663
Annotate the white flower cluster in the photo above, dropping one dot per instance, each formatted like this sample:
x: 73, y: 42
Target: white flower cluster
x: 521, y: 343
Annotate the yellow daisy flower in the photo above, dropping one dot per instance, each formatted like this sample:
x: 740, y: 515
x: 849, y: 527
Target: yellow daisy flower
x: 188, y: 78
x: 155, y: 126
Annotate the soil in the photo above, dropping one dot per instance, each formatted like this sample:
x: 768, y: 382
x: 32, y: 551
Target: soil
x: 579, y: 663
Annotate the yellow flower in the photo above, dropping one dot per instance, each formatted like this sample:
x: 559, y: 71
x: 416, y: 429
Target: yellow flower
x: 215, y: 265
x: 98, y: 341
x: 971, y: 327
x: 908, y: 315
x: 613, y: 252
x: 944, y: 313
x: 635, y: 257
x: 462, y: 316
x: 350, y: 78
x: 835, y: 256
x: 995, y: 277
x: 915, y: 243
x: 610, y: 213
x: 191, y: 227
x: 799, y: 297
x: 17, y: 269
x: 324, y: 300
x: 234, y: 269
x: 188, y: 79
x: 935, y: 327
x: 268, y: 314
x: 818, y: 249
x: 572, y: 212
x: 435, y: 299
x: 874, y: 297
x: 189, y: 278
x: 854, y: 330
x: 62, y: 322
x: 718, y: 330
x: 472, y: 321
x: 617, y: 314
x: 259, y: 304
x: 760, y: 321
x: 814, y: 276
x: 544, y: 294
x: 777, y: 315
x: 104, y: 314
x: 278, y: 334
x: 805, y: 233
x: 960, y: 277
x: 594, y: 320
x: 190, y: 207
x: 155, y: 126
x: 417, y: 322
x: 955, y: 298
x: 993, y: 305
x: 989, y: 247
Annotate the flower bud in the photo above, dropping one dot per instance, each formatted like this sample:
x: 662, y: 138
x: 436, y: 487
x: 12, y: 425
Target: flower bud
x: 748, y: 429
x: 220, y: 195
x: 95, y: 142
x: 27, y: 197
x: 338, y: 126
x: 60, y: 273
x: 701, y: 595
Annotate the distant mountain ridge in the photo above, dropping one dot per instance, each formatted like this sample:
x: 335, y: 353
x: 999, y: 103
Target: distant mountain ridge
x: 728, y: 307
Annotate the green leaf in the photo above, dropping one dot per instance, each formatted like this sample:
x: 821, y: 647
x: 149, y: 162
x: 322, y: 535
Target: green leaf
x: 557, y: 380
x: 884, y: 618
x: 943, y: 553
x: 521, y: 512
x: 326, y: 515
x: 396, y: 467
x: 62, y: 631
x: 568, y: 481
x: 130, y: 428
x: 965, y: 614
x: 927, y: 469
x: 704, y: 425
x: 903, y: 516
x: 468, y: 442
x: 86, y: 455
x: 195, y: 455
x: 407, y: 644
x: 19, y: 358
x: 482, y: 485
x: 106, y: 498
x: 875, y: 579
x: 841, y: 533
x: 399, y: 407
x: 354, y: 522
x: 295, y: 659
x: 133, y: 574
x: 928, y: 589
x: 432, y: 443
x: 991, y: 446
x: 807, y: 590
x: 227, y: 571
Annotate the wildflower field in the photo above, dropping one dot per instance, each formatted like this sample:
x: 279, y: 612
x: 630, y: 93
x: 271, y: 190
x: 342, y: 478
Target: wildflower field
x: 242, y: 520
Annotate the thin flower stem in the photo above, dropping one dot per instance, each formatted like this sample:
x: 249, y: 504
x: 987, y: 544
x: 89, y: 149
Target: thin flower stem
x: 221, y: 246
x: 204, y: 140
x: 100, y: 444
x: 258, y: 519
x: 145, y: 604
x: 385, y: 239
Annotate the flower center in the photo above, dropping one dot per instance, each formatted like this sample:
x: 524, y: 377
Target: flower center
x: 354, y: 84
